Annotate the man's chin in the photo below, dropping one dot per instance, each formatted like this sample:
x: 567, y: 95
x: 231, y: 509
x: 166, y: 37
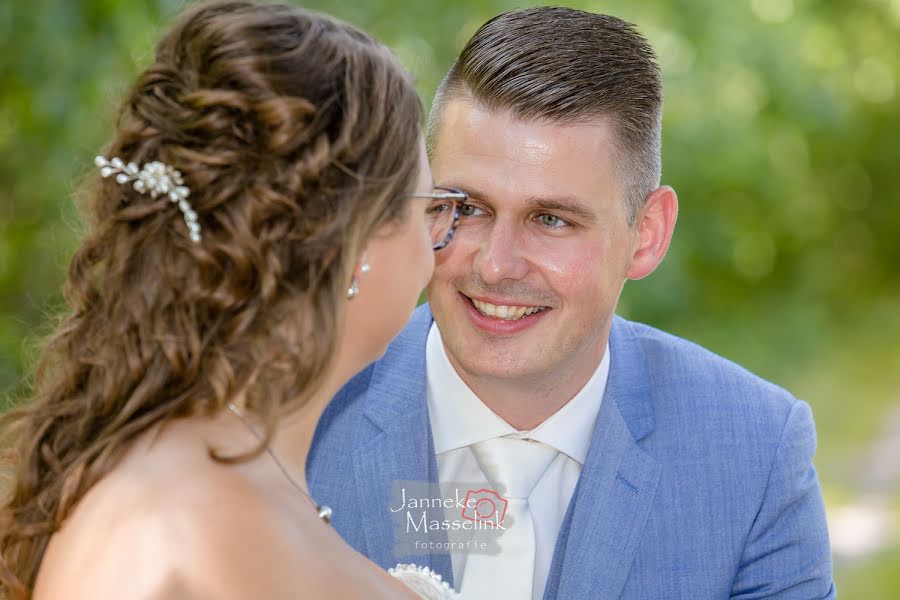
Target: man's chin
x: 492, y: 357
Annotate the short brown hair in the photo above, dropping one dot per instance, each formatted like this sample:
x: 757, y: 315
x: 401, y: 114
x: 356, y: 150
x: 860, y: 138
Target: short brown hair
x: 299, y: 138
x: 567, y: 66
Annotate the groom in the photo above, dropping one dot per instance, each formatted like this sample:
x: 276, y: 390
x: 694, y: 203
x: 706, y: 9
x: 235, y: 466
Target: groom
x: 553, y: 449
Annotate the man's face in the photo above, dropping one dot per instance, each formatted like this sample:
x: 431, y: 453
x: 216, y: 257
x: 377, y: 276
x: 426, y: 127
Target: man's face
x: 545, y: 227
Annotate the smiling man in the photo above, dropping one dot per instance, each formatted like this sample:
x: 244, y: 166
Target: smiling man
x: 621, y: 462
x: 546, y: 232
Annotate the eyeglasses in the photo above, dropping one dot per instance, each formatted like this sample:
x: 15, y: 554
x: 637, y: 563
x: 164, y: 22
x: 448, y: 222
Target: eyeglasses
x: 442, y: 214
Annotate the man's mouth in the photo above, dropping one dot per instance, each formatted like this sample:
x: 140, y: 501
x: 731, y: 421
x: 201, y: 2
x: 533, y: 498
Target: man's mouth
x: 505, y: 312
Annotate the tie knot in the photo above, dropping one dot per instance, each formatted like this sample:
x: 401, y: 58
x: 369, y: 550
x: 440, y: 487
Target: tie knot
x: 516, y: 464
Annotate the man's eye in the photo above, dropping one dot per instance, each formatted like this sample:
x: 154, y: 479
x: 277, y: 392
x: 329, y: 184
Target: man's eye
x: 469, y: 210
x: 552, y: 221
x: 437, y: 207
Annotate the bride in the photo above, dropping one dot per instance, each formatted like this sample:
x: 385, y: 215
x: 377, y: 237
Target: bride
x: 261, y: 225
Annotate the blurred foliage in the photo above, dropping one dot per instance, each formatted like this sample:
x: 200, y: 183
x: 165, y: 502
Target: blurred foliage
x: 780, y: 136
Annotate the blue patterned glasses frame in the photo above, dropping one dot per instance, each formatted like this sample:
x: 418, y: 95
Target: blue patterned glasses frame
x: 443, y: 213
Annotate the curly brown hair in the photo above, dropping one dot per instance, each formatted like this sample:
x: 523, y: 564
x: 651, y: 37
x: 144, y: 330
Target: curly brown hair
x: 298, y: 136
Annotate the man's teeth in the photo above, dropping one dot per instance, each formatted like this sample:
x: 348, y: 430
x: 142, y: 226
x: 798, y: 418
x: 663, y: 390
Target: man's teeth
x: 507, y: 313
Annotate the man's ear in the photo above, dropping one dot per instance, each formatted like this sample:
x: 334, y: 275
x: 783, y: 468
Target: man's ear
x: 652, y: 232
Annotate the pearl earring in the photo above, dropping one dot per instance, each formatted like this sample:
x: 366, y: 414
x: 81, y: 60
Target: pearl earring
x: 353, y: 291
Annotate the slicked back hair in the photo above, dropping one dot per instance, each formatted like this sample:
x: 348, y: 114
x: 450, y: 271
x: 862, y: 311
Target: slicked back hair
x: 566, y: 66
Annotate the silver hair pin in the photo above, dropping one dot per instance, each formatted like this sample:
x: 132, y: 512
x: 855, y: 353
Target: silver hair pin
x: 157, y: 179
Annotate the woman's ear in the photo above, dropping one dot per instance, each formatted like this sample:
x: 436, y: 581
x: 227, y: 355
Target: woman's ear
x: 363, y: 265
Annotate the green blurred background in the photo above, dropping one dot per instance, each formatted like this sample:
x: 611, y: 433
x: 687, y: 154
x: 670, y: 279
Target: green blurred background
x: 781, y: 137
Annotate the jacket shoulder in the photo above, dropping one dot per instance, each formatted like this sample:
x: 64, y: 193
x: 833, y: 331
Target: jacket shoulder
x: 688, y: 378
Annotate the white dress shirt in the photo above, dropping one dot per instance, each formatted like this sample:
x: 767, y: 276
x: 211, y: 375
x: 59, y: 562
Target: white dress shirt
x: 459, y: 419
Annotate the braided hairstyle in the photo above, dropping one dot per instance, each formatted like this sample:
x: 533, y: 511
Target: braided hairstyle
x: 298, y: 137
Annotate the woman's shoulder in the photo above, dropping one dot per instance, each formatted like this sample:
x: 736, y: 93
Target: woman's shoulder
x: 169, y: 521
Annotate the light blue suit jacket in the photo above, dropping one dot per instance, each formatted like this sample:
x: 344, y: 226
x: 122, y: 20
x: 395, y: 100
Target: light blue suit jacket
x: 699, y: 481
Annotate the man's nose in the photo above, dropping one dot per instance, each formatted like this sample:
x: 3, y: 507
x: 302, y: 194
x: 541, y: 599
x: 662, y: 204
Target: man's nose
x: 501, y: 254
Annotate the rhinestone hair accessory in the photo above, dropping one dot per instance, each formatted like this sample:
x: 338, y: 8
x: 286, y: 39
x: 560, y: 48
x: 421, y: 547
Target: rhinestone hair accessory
x: 157, y: 179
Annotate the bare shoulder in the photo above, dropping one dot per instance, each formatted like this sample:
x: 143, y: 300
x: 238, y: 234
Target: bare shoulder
x: 141, y: 532
x: 173, y: 523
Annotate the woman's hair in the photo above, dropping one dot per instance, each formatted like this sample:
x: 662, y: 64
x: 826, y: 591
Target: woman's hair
x: 297, y: 136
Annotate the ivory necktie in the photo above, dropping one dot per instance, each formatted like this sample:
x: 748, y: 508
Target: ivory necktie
x: 517, y: 465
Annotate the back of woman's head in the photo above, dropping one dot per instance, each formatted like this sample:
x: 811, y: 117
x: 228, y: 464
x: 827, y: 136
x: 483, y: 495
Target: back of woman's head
x: 297, y: 136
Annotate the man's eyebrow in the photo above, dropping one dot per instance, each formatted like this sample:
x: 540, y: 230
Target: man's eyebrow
x: 473, y: 193
x: 567, y: 204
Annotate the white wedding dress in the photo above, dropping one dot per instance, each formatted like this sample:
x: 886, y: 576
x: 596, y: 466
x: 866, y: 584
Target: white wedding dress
x: 424, y: 582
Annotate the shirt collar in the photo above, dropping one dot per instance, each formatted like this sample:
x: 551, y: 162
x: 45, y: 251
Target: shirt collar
x: 459, y: 418
x: 571, y: 428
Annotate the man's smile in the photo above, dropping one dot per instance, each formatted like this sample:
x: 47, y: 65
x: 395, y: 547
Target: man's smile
x: 508, y: 310
x: 502, y: 316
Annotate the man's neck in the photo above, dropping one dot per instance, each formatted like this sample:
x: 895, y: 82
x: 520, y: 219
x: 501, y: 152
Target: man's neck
x: 526, y: 402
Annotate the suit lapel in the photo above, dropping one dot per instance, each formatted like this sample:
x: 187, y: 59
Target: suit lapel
x: 615, y: 492
x: 610, y: 505
x: 403, y: 449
